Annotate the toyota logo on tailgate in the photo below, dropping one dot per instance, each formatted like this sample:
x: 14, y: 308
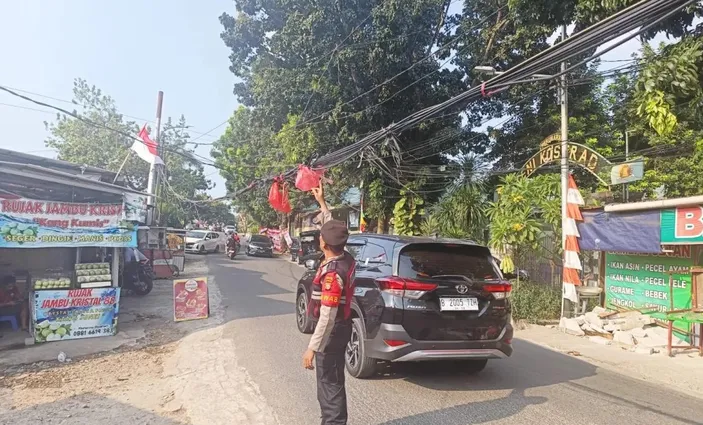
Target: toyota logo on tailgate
x: 462, y: 289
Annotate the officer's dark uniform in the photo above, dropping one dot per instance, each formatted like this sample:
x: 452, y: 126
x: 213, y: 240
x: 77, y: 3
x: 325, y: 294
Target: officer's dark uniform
x: 330, y: 304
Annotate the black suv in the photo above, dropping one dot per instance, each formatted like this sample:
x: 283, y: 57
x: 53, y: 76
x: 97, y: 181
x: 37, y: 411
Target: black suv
x: 420, y: 299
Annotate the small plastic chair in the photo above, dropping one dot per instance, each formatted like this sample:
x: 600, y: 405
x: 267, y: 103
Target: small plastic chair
x: 12, y: 320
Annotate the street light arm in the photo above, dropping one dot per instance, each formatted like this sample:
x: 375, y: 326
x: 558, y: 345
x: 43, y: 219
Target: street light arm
x: 489, y: 70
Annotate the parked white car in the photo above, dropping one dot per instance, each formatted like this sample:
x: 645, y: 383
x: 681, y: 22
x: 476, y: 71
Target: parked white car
x: 204, y: 241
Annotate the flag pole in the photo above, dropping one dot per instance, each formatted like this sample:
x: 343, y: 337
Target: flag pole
x: 121, y: 166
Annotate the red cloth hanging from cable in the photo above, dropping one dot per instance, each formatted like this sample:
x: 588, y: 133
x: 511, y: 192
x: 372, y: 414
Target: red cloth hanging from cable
x: 307, y: 178
x: 278, y: 196
x: 285, y: 202
x: 275, y: 195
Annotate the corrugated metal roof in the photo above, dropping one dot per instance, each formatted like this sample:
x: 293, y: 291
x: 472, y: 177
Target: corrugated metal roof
x: 7, y: 155
x: 60, y: 177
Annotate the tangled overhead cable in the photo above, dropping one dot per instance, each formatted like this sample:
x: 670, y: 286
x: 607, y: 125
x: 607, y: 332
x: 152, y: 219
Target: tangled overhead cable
x: 643, y: 15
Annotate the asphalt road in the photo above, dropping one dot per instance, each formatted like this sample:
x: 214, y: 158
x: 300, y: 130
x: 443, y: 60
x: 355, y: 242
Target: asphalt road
x: 534, y: 386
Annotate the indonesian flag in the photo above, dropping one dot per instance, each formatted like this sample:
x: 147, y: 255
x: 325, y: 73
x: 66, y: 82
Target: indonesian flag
x: 147, y: 149
x: 572, y: 262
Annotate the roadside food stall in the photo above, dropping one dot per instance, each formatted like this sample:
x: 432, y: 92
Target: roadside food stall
x: 164, y: 249
x: 650, y: 255
x: 57, y: 231
x: 175, y: 238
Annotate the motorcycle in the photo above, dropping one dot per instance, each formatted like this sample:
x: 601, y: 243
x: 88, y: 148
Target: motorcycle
x: 232, y: 251
x: 139, y: 277
x: 141, y: 280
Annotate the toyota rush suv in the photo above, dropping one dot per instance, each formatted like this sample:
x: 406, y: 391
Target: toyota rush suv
x: 421, y: 299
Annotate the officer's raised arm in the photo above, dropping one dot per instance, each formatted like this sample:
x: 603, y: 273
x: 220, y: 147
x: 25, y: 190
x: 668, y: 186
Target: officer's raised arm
x: 325, y: 213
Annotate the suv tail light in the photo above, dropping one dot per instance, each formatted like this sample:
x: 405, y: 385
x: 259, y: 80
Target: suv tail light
x: 500, y: 291
x: 405, y: 287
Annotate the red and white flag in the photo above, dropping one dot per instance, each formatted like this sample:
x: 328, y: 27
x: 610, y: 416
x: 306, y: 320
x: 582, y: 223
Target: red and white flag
x: 147, y: 149
x: 572, y: 262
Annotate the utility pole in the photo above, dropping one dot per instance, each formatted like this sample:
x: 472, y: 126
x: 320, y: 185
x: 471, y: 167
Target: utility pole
x: 564, y: 153
x: 627, y: 158
x: 153, y: 181
x: 564, y: 145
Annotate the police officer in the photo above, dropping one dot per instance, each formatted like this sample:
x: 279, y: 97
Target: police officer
x: 332, y: 292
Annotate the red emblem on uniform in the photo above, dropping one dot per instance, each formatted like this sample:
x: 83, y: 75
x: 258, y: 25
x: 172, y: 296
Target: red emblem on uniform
x: 329, y: 279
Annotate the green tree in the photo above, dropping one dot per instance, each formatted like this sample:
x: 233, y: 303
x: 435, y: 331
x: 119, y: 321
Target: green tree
x: 244, y: 153
x: 527, y: 211
x: 502, y: 35
x: 460, y: 213
x: 408, y: 212
x: 99, y: 146
x: 665, y: 113
x: 82, y: 143
x: 320, y: 75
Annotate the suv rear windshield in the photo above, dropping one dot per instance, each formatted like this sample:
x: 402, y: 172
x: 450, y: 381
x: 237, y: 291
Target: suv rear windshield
x: 423, y: 261
x: 260, y: 239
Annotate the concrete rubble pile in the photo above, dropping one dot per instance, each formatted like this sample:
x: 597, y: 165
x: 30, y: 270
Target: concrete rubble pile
x: 632, y: 329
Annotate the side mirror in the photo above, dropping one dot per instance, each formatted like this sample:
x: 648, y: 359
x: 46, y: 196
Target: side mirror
x: 311, y: 264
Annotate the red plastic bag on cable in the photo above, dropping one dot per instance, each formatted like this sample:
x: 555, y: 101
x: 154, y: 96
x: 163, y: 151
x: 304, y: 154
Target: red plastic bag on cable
x: 307, y: 179
x: 275, y: 195
x: 285, y: 202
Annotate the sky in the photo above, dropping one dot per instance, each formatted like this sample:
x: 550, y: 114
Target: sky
x: 130, y: 49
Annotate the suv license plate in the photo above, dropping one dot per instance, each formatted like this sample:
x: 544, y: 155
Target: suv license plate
x: 458, y: 304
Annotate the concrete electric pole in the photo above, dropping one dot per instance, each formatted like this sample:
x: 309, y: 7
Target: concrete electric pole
x: 564, y: 145
x: 153, y: 181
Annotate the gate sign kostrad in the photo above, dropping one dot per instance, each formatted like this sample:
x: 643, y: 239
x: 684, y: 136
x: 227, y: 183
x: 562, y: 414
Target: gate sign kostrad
x: 578, y: 154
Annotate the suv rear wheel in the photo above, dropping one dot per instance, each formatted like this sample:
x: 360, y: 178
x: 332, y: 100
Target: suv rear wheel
x: 302, y: 318
x: 473, y: 367
x: 358, y: 365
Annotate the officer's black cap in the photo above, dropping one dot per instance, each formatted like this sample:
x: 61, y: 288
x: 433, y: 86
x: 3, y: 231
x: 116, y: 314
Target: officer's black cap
x: 334, y: 233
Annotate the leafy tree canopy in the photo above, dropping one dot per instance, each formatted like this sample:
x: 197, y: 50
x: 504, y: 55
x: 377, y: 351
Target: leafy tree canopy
x: 83, y: 143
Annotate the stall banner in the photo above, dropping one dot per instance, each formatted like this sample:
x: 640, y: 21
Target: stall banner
x: 135, y: 207
x: 190, y: 299
x: 636, y: 282
x: 29, y: 223
x: 287, y: 237
x: 75, y: 313
x: 682, y: 225
x: 275, y: 236
x: 627, y: 172
x: 353, y: 219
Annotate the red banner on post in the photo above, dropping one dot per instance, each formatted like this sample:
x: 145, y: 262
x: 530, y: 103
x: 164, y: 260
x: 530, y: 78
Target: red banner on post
x: 190, y: 299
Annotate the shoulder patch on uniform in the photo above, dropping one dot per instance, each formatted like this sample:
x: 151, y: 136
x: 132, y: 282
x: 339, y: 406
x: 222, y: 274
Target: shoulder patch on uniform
x: 329, y: 280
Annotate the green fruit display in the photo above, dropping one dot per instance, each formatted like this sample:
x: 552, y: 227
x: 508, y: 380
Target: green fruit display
x: 92, y: 272
x: 60, y: 283
x: 18, y: 229
x: 48, y: 332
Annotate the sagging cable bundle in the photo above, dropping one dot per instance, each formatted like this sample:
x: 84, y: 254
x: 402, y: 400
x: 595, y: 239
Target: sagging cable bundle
x: 644, y: 15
